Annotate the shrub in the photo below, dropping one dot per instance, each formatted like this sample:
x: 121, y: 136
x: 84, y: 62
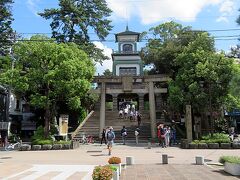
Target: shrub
x: 230, y: 159
x: 102, y: 173
x: 41, y: 141
x: 62, y: 142
x: 38, y: 134
x: 195, y: 142
x: 216, y: 138
x: 114, y: 160
x: 38, y: 137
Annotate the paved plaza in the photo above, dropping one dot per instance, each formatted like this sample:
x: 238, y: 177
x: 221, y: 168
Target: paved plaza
x: 79, y: 163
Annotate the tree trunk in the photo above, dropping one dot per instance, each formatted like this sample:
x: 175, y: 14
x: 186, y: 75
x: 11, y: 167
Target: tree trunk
x: 47, y: 122
x: 47, y: 113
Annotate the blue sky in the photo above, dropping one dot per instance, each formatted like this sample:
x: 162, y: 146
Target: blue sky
x: 216, y: 16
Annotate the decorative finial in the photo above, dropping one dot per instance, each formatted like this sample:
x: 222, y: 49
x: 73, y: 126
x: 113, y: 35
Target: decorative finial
x: 127, y: 28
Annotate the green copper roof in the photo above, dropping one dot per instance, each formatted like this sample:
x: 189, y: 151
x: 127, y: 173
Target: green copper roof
x: 127, y: 32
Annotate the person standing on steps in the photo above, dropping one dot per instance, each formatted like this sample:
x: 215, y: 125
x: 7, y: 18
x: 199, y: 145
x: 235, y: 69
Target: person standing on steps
x: 139, y: 119
x: 103, y: 136
x: 110, y: 138
x: 124, y: 134
x: 137, y: 130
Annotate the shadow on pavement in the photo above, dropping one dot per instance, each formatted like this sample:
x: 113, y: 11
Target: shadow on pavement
x: 222, y: 172
x: 99, y: 155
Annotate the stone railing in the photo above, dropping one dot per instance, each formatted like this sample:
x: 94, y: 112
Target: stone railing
x: 81, y: 124
x: 125, y: 52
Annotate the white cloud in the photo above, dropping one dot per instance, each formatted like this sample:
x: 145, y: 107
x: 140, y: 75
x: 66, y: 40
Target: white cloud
x: 32, y: 6
x: 226, y: 9
x: 152, y: 11
x: 227, y: 6
x: 222, y: 19
x: 107, y: 64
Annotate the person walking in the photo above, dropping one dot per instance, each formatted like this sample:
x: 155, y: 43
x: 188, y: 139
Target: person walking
x: 173, y: 136
x: 103, y: 136
x: 139, y: 119
x: 110, y: 138
x: 167, y: 136
x: 137, y: 130
x: 4, y: 137
x: 120, y: 113
x: 161, y: 135
x: 124, y: 134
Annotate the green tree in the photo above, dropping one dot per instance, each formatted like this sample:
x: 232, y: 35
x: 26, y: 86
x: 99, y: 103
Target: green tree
x: 50, y: 72
x: 238, y: 19
x: 233, y: 98
x: 107, y: 72
x: 74, y: 20
x: 203, y: 77
x: 6, y: 32
x: 167, y: 41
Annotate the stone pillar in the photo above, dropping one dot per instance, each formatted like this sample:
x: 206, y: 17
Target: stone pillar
x: 158, y: 101
x: 141, y: 102
x: 152, y: 109
x: 188, y: 122
x: 115, y: 102
x: 102, y: 108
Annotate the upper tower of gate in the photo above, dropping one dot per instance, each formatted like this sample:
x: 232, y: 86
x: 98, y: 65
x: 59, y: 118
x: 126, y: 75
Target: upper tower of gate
x: 127, y: 60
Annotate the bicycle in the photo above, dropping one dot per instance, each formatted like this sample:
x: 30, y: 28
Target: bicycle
x: 13, y: 146
x: 87, y: 139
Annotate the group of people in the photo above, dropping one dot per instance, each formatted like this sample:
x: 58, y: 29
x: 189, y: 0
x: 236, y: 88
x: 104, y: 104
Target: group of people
x: 166, y: 135
x: 129, y: 112
x: 132, y: 115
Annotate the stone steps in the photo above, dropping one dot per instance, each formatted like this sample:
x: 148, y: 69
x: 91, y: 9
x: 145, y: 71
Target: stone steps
x: 91, y: 127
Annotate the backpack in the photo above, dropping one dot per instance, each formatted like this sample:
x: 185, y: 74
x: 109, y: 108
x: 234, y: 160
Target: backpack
x: 110, y: 136
x: 124, y: 132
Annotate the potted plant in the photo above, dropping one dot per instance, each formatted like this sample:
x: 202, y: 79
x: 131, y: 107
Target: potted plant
x: 231, y: 164
x: 102, y: 172
x: 116, y: 161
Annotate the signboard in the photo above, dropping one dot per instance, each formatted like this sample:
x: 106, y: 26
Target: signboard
x: 235, y: 112
x: 63, y: 125
x: 4, y: 125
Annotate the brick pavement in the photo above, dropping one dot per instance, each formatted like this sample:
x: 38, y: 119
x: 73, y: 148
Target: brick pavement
x: 174, y: 172
x: 148, y: 162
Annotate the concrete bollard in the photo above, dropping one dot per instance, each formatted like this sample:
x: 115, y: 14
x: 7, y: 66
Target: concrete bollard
x: 165, y: 159
x: 129, y: 160
x: 149, y: 145
x: 199, y: 160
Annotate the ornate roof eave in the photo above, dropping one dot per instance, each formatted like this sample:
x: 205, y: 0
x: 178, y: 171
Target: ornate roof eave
x: 127, y: 32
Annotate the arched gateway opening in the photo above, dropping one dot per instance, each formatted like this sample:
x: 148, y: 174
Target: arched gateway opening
x: 127, y: 98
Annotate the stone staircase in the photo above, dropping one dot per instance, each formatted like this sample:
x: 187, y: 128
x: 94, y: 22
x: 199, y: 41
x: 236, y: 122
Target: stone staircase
x: 91, y: 126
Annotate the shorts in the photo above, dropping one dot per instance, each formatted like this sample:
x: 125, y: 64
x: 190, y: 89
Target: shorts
x: 110, y: 143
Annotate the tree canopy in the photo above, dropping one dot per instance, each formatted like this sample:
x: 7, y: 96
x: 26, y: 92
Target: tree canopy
x: 74, y: 20
x: 107, y: 72
x: 50, y: 72
x: 203, y: 75
x: 165, y: 43
x: 6, y: 31
x: 238, y: 19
